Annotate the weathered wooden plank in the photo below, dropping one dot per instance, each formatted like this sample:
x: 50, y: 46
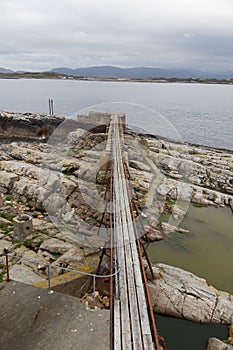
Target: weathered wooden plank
x: 135, y: 260
x: 132, y: 315
x: 136, y: 263
x: 131, y: 292
x: 117, y: 325
x: 124, y: 307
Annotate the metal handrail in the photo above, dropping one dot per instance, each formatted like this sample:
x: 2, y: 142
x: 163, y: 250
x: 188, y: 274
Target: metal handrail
x: 35, y: 261
x: 63, y: 268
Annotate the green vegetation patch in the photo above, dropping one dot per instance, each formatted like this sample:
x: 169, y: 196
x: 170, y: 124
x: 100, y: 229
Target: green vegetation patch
x: 28, y: 242
x: 18, y: 245
x: 199, y: 205
x: 43, y: 230
x: 6, y: 229
x: 6, y: 216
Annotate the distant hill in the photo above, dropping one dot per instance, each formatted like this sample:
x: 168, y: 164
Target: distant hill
x: 116, y: 72
x: 130, y: 73
x: 139, y: 72
x: 5, y: 70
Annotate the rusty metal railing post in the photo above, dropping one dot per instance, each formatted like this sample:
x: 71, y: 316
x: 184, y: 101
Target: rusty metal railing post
x: 49, y: 279
x: 94, y: 283
x: 7, y: 265
x: 111, y: 256
x: 147, y: 259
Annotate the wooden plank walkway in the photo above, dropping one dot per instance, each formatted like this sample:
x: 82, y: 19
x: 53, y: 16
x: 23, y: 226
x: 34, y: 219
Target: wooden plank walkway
x: 131, y: 320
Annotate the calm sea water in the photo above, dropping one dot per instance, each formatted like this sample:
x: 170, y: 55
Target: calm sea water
x: 196, y: 113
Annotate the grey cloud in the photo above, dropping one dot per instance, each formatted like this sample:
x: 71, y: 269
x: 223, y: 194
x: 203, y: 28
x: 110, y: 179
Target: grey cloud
x: 42, y: 34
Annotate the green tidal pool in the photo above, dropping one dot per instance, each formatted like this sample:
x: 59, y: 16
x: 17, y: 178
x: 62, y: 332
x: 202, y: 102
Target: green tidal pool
x: 207, y: 252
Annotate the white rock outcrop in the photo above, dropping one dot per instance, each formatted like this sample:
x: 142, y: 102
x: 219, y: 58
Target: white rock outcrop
x: 182, y: 294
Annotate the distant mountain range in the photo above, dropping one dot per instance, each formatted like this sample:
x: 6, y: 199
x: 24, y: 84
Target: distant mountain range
x: 5, y: 70
x: 140, y: 72
x: 135, y: 72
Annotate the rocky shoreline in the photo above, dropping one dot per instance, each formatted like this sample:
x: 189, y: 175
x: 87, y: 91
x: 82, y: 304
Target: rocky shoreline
x: 28, y: 125
x: 59, y: 184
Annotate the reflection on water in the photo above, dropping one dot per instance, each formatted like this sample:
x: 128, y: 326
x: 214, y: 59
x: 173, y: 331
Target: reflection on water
x: 207, y: 252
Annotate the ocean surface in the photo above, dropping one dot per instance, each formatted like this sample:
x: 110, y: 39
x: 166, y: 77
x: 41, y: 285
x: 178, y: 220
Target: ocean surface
x: 195, y: 113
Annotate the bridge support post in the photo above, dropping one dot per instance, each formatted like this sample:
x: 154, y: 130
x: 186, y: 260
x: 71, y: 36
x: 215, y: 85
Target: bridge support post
x: 148, y: 260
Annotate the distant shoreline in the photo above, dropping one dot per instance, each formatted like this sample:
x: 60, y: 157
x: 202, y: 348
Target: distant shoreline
x: 57, y: 76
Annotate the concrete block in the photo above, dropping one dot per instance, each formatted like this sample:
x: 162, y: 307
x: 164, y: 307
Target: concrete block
x: 23, y: 226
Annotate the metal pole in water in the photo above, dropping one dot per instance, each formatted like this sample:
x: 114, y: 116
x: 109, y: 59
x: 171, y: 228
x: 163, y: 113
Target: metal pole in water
x: 52, y: 109
x: 49, y: 106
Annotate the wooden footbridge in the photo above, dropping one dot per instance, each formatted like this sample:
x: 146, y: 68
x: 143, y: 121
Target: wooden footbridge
x: 132, y: 318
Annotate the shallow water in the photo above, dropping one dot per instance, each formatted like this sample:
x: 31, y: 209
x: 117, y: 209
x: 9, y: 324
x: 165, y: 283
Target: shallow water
x: 207, y: 252
x: 187, y: 335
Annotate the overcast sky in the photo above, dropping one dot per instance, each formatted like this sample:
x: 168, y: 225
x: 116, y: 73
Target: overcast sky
x: 43, y: 34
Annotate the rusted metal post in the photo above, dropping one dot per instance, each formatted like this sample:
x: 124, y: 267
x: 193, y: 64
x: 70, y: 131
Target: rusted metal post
x: 94, y: 283
x: 147, y: 259
x: 49, y: 281
x: 52, y: 109
x: 49, y: 106
x: 7, y: 265
x: 111, y: 260
x: 107, y: 190
x: 101, y: 259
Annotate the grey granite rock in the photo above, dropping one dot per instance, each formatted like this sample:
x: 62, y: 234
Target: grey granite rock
x: 180, y: 293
